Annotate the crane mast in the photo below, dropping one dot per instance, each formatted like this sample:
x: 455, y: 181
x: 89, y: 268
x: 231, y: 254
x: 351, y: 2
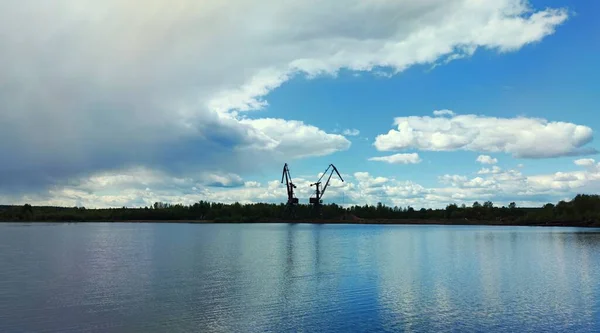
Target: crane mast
x: 292, y: 201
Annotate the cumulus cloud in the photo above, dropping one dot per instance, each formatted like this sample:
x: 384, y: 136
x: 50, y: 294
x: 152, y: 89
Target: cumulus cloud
x: 501, y: 187
x: 147, y: 178
x: 511, y: 185
x: 454, y: 180
x: 586, y: 162
x: 252, y: 184
x: 351, y: 132
x: 372, y: 189
x: 485, y: 159
x: 366, y: 179
x: 441, y: 113
x: 140, y: 187
x: 487, y: 171
x: 590, y: 164
x: 294, y: 138
x: 398, y: 159
x: 560, y: 181
x: 92, y: 86
x: 522, y: 137
x: 222, y: 180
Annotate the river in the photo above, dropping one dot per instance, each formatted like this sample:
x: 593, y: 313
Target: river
x: 144, y: 277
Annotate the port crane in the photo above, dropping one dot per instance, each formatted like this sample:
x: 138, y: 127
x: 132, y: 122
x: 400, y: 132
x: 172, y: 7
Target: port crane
x: 292, y: 201
x: 317, y: 201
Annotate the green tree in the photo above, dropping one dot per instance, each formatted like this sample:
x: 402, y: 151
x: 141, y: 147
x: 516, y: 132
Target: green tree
x: 450, y: 210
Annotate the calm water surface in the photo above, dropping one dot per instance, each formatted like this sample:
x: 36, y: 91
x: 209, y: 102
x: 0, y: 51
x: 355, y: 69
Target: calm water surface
x: 290, y: 278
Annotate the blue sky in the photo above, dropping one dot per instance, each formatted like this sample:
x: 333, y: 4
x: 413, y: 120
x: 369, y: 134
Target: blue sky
x: 555, y: 79
x: 186, y: 105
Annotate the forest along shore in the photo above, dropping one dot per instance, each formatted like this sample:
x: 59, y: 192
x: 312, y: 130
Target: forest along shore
x: 581, y: 211
x: 579, y: 224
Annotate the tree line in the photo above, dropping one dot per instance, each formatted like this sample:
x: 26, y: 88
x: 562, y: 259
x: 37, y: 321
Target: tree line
x: 582, y: 210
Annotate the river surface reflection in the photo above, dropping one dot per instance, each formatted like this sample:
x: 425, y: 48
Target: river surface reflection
x: 110, y: 277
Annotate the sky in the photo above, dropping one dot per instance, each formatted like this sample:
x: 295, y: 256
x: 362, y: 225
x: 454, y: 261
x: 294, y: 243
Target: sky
x: 418, y: 103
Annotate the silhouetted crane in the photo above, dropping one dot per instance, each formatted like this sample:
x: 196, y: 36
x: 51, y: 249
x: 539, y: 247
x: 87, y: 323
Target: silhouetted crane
x: 317, y: 201
x: 292, y: 202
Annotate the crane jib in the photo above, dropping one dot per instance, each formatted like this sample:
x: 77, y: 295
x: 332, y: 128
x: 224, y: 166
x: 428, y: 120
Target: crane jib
x: 317, y: 199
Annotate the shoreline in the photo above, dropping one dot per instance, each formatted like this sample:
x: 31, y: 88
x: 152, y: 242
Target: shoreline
x: 582, y: 211
x: 566, y: 224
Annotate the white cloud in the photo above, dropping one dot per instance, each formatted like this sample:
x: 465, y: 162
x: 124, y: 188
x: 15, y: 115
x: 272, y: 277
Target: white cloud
x: 102, y: 85
x: 560, y: 181
x: 141, y: 177
x: 371, y: 190
x: 222, y: 180
x: 142, y: 187
x: 441, y: 113
x: 522, y: 137
x: 296, y: 139
x: 252, y: 184
x: 398, y: 159
x: 480, y: 182
x: 454, y: 180
x: 485, y: 159
x: 351, y: 132
x: 366, y: 179
x: 590, y: 164
x: 586, y: 162
x: 486, y: 171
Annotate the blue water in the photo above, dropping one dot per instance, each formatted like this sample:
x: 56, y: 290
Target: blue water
x: 297, y: 278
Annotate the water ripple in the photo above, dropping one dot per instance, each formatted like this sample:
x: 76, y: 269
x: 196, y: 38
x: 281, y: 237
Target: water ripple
x: 108, y: 277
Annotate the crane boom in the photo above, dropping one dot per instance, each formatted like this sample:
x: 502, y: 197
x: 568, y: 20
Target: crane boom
x: 329, y: 179
x: 317, y: 200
